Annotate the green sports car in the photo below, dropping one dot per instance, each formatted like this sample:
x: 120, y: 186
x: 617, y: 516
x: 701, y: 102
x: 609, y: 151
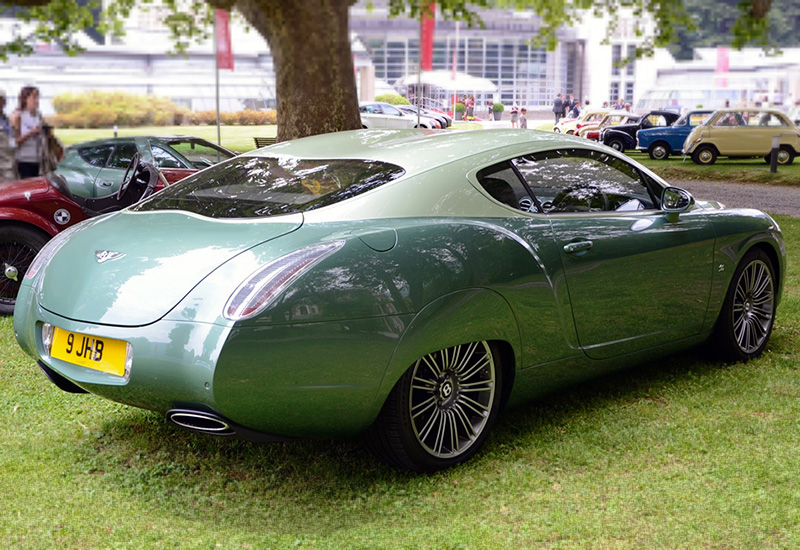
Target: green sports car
x: 401, y: 284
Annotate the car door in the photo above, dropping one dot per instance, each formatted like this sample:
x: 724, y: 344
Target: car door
x: 81, y: 165
x: 635, y: 280
x: 110, y: 177
x: 394, y: 118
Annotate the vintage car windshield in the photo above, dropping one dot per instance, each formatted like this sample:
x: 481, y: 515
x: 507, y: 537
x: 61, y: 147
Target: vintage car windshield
x: 252, y: 187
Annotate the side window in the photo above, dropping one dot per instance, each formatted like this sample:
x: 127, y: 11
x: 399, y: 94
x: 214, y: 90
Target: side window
x: 389, y: 110
x: 164, y: 159
x: 96, y: 156
x: 502, y: 183
x: 581, y: 180
x: 123, y: 153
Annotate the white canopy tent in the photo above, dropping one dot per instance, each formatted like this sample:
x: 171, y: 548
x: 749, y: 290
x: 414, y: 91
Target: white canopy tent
x: 449, y: 81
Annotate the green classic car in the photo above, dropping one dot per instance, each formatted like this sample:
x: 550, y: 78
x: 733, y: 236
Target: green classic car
x: 743, y: 133
x: 96, y: 168
x: 402, y: 284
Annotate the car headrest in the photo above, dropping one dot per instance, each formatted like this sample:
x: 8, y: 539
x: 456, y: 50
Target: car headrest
x: 501, y: 190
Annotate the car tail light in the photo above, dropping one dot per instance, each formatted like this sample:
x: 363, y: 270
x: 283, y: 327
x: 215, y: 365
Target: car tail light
x: 264, y: 285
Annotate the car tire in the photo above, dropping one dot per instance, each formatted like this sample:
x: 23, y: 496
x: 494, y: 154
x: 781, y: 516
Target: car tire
x: 557, y: 130
x: 659, y: 151
x: 705, y: 155
x: 441, y: 410
x: 617, y: 145
x: 785, y: 155
x: 18, y: 247
x: 570, y: 132
x: 745, y: 322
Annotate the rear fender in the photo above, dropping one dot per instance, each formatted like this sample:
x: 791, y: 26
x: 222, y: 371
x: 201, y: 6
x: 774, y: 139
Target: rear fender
x: 461, y: 317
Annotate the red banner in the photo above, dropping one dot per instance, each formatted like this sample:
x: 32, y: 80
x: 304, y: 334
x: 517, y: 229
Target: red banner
x: 223, y: 36
x: 427, y: 28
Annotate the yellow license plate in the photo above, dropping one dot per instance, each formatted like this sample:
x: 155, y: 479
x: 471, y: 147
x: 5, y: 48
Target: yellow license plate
x: 103, y: 354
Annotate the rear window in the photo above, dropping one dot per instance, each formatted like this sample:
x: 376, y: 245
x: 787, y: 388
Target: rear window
x: 252, y: 187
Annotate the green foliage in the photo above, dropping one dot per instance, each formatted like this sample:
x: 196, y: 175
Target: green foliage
x: 735, y: 21
x: 460, y: 107
x: 394, y: 99
x: 498, y: 108
x: 96, y: 109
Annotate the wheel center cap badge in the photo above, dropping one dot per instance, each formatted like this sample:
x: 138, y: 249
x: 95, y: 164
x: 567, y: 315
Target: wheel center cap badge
x: 447, y: 389
x: 107, y: 255
x: 10, y: 272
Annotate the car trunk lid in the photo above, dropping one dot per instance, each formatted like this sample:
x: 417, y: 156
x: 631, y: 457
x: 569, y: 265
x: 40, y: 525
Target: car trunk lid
x: 133, y: 268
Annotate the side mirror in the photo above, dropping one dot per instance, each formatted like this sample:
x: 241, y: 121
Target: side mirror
x: 675, y: 201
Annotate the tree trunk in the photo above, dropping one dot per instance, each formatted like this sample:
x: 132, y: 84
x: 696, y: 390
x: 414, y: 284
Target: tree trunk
x: 310, y: 44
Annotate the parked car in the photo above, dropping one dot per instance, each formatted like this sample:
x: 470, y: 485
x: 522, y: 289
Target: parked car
x: 443, y: 120
x: 425, y: 120
x: 95, y: 168
x: 742, y: 133
x: 588, y: 116
x: 660, y: 143
x: 34, y: 210
x: 612, y: 118
x: 623, y: 136
x: 383, y: 115
x: 400, y: 284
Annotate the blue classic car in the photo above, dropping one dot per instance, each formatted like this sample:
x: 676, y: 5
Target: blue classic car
x: 661, y: 142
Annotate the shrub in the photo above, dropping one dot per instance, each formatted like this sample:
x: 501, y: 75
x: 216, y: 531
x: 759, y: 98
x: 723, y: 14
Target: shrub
x: 394, y: 99
x: 498, y: 108
x: 460, y: 107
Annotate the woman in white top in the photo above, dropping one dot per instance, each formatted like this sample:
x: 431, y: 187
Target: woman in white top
x: 27, y: 124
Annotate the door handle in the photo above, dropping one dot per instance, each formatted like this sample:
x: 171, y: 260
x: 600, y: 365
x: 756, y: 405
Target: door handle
x: 580, y: 246
x: 106, y: 183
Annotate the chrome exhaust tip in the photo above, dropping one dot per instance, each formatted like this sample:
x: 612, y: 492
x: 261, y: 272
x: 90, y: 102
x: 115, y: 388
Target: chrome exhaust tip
x: 200, y: 421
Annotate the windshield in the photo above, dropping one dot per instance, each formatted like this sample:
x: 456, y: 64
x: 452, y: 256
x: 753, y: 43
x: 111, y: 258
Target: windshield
x: 249, y: 187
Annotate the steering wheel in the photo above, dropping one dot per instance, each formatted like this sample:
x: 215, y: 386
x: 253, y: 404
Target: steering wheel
x: 581, y: 197
x: 131, y: 169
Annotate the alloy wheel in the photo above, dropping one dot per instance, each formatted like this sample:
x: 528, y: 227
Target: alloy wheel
x: 753, y: 306
x: 451, y: 397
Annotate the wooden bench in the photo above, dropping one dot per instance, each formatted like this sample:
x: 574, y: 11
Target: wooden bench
x: 264, y: 141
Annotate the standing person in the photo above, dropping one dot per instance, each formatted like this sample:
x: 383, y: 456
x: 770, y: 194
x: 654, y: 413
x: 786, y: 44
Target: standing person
x: 470, y: 107
x: 8, y: 171
x: 27, y: 125
x: 514, y: 116
x: 523, y: 121
x: 558, y: 107
x: 570, y: 105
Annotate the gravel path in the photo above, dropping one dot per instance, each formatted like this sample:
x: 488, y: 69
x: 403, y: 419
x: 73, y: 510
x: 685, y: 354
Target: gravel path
x: 771, y: 199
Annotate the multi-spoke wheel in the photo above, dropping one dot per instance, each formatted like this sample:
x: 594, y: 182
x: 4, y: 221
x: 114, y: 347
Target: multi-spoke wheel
x: 745, y: 322
x: 441, y: 410
x: 18, y: 248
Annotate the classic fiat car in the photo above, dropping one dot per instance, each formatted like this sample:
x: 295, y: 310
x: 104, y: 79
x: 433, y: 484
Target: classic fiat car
x: 742, y: 133
x: 401, y: 284
x: 660, y: 143
x: 570, y: 125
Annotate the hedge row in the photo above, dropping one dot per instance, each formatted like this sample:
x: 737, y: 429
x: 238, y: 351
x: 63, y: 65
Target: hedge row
x: 104, y: 109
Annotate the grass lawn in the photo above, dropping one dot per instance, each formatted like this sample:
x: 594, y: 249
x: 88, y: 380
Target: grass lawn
x: 679, y: 453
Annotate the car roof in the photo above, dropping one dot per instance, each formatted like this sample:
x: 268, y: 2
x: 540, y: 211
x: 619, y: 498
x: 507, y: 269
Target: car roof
x: 420, y: 150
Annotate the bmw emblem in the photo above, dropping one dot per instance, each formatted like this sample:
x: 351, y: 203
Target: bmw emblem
x: 61, y: 216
